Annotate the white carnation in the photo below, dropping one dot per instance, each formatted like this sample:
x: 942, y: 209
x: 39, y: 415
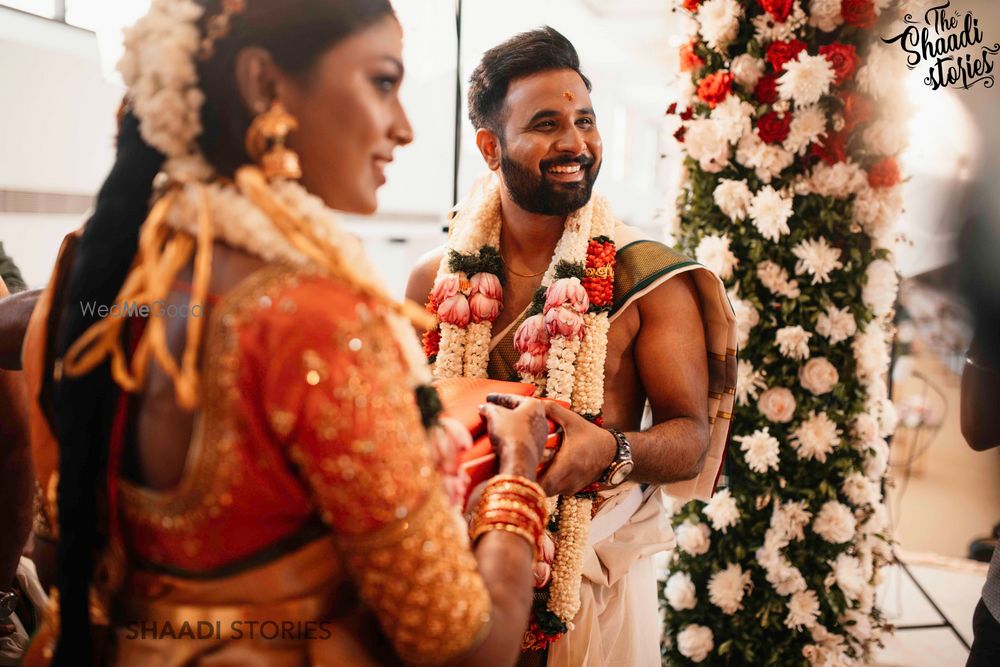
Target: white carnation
x: 860, y: 490
x: 719, y: 22
x: 877, y: 461
x: 693, y: 537
x: 706, y: 143
x: 732, y: 118
x: 767, y: 160
x: 760, y: 450
x: 886, y: 137
x: 747, y: 318
x: 777, y: 404
x: 835, y: 522
x: 775, y: 279
x: 803, y: 610
x: 825, y: 14
x: 839, y: 180
x: 806, y: 79
x: 747, y: 70
x: 749, y: 382
x: 793, y: 342
x: 790, y: 519
x: 695, y: 642
x: 877, y: 210
x: 785, y: 578
x: 713, y: 252
x: 727, y: 587
x: 770, y: 212
x: 850, y: 576
x: 865, y: 430
x: 836, y: 324
x: 808, y: 124
x: 815, y: 437
x: 859, y: 625
x: 733, y: 198
x: 722, y: 511
x: 881, y: 287
x: 680, y: 592
x: 819, y: 376
x: 817, y: 258
x: 871, y: 353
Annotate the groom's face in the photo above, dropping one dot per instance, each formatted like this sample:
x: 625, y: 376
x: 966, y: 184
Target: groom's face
x: 550, y: 147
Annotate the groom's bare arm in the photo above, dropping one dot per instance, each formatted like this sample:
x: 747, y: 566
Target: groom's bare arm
x: 422, y: 276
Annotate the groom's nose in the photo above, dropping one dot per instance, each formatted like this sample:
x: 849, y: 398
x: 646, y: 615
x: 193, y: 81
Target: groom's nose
x: 571, y: 140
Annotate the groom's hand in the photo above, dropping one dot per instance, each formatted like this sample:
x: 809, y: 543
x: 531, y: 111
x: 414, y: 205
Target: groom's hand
x: 586, y: 452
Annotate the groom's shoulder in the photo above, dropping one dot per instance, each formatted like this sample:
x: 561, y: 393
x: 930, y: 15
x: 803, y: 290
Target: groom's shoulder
x: 423, y: 273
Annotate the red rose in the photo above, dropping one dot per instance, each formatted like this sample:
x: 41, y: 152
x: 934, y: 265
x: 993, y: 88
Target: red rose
x: 858, y: 13
x: 779, y: 9
x: 687, y: 114
x: 689, y: 59
x: 691, y: 5
x: 715, y: 87
x: 766, y: 90
x: 884, y: 173
x: 773, y: 127
x: 830, y: 149
x: 857, y: 110
x: 779, y: 53
x: 843, y: 58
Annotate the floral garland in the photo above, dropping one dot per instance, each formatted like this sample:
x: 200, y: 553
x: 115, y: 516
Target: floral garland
x: 562, y: 345
x: 789, y: 194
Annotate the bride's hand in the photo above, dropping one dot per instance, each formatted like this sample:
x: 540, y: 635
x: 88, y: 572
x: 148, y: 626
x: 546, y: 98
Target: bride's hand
x: 518, y: 430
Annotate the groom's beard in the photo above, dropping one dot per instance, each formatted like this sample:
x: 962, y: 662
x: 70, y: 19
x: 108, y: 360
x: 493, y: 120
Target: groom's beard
x: 537, y: 194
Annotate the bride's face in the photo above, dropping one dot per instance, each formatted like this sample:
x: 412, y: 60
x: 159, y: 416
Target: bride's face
x: 350, y: 117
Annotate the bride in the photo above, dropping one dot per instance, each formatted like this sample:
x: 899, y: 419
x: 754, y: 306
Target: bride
x: 249, y: 458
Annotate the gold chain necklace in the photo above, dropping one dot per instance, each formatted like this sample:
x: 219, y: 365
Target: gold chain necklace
x: 521, y: 275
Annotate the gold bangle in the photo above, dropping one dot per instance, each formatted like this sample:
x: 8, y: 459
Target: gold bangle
x: 479, y: 531
x: 493, y: 501
x: 510, y: 516
x: 516, y: 492
x: 519, y: 481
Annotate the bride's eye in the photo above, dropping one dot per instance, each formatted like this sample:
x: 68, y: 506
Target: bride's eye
x: 385, y: 83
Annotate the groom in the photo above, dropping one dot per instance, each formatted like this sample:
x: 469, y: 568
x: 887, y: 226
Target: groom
x: 669, y: 345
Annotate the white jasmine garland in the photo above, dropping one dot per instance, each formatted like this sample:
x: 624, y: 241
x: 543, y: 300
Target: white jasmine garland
x: 714, y: 253
x: 815, y: 437
x: 793, y: 342
x: 719, y: 22
x: 836, y: 324
x: 747, y: 70
x: 817, y: 258
x: 881, y: 287
x: 680, y: 591
x: 818, y: 376
x: 693, y: 538
x: 806, y: 79
x: 760, y: 449
x: 727, y: 587
x: 803, y: 610
x: 749, y: 382
x: 835, y: 522
x: 695, y: 642
x: 770, y: 212
x: 722, y: 511
x: 775, y: 279
x: 733, y: 198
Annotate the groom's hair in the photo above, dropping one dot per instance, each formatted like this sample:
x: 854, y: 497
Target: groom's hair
x: 541, y: 50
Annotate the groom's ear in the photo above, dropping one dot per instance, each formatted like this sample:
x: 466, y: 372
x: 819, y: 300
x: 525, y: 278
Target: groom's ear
x: 489, y: 146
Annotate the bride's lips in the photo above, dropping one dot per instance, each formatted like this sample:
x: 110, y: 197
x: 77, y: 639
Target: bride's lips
x: 378, y: 166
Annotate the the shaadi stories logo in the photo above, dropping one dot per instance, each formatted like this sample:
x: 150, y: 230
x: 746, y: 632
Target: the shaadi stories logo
x: 950, y: 46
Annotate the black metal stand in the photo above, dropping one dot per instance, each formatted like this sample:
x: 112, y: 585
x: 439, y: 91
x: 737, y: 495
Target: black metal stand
x: 945, y: 621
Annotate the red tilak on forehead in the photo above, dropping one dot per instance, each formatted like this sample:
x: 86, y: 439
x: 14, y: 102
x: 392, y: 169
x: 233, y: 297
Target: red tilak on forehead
x: 569, y: 96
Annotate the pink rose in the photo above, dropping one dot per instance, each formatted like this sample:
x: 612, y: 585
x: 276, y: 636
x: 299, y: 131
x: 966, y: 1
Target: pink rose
x: 818, y: 376
x: 569, y: 292
x: 455, y: 310
x: 486, y: 284
x: 445, y: 286
x: 777, y: 404
x: 529, y: 363
x: 532, y: 337
x: 542, y: 572
x: 564, y: 321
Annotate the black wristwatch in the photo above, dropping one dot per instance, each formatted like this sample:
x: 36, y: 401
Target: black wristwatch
x: 8, y: 604
x: 621, y: 466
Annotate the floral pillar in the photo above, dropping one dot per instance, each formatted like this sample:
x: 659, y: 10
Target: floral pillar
x: 790, y: 131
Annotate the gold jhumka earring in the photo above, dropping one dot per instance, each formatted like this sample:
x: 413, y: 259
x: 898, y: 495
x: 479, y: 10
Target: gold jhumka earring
x: 265, y: 144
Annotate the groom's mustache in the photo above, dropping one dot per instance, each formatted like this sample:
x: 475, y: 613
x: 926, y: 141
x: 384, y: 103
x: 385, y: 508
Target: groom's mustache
x: 585, y: 160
